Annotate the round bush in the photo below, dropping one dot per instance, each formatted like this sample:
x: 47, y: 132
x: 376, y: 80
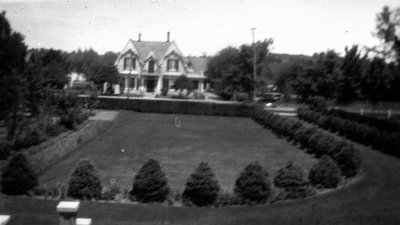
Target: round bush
x: 293, y: 180
x: 18, y: 177
x: 150, y: 183
x: 325, y: 173
x: 253, y: 185
x: 84, y: 182
x: 202, y: 186
x: 349, y: 161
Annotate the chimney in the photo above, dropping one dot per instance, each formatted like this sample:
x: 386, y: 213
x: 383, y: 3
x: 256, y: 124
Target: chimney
x: 140, y: 36
x: 168, y: 36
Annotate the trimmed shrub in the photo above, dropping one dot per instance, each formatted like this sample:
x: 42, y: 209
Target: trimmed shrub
x: 202, y: 187
x: 150, y: 183
x: 293, y: 180
x: 18, y: 177
x: 111, y: 192
x: 349, y: 161
x: 84, y: 182
x: 325, y: 173
x: 253, y: 185
x: 4, y: 151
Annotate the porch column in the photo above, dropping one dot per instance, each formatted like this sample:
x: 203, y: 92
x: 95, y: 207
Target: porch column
x: 141, y: 86
x: 126, y: 84
x: 159, y: 84
x: 136, y: 82
x: 201, y: 86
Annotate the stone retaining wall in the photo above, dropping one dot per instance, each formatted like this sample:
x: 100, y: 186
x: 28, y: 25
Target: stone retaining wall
x: 50, y: 152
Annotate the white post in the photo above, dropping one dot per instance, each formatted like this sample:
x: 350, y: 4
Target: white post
x: 389, y: 114
x: 361, y: 111
x: 126, y: 85
x: 159, y: 85
x: 136, y: 82
x: 4, y: 219
x: 201, y: 86
x: 83, y: 221
x: 67, y: 211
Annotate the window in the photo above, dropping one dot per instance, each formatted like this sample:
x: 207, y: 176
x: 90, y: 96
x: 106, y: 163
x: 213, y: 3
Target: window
x: 151, y: 66
x: 129, y: 63
x: 172, y: 65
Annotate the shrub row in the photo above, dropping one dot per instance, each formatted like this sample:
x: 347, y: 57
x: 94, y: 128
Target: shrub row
x: 380, y: 124
x: 344, y: 154
x: 386, y: 142
x: 176, y: 106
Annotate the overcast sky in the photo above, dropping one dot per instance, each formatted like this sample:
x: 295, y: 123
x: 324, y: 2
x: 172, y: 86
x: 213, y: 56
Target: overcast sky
x: 297, y: 26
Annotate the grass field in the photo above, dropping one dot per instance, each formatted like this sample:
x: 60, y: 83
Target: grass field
x: 227, y: 143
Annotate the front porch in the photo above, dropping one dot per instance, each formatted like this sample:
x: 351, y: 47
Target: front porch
x: 153, y: 84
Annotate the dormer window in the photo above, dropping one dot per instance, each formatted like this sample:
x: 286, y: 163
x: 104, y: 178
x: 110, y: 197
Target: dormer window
x: 172, y: 65
x: 129, y: 63
x: 151, y: 66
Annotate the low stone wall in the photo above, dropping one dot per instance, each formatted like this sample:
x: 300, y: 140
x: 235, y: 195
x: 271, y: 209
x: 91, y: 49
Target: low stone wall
x: 50, y: 152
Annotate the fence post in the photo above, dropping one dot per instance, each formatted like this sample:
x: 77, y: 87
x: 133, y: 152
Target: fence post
x: 4, y: 219
x: 67, y: 211
x: 362, y: 111
x: 389, y: 114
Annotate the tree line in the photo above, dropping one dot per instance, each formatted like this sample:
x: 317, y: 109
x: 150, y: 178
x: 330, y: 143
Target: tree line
x: 371, y: 74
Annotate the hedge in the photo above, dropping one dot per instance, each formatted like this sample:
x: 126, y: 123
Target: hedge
x: 380, y: 124
x: 316, y: 142
x: 383, y: 141
x: 176, y: 106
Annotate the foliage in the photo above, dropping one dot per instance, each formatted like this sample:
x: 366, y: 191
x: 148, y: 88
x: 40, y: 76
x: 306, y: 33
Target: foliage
x: 183, y: 83
x: 111, y: 192
x: 325, y: 173
x: 349, y: 161
x: 387, y: 30
x: 253, y: 185
x: 231, y: 70
x: 150, y: 183
x: 293, y: 180
x: 180, y: 107
x: 84, y: 182
x: 18, y: 178
x: 202, y: 186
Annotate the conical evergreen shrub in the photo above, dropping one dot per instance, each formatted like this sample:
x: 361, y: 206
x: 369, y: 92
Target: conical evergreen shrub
x: 150, y: 183
x: 253, y: 185
x: 84, y: 182
x: 293, y: 180
x: 202, y: 187
x: 18, y: 177
x: 325, y: 173
x: 349, y: 161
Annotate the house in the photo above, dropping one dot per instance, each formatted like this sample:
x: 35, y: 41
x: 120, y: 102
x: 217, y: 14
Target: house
x: 150, y: 66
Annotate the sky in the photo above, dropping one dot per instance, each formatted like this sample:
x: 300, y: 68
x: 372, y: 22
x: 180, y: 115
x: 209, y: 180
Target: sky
x: 197, y: 26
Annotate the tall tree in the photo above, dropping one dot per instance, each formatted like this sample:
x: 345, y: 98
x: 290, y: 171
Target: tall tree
x: 12, y: 91
x: 388, y: 30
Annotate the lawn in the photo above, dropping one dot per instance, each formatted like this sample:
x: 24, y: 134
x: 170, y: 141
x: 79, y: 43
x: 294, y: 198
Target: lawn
x: 372, y: 200
x: 228, y: 144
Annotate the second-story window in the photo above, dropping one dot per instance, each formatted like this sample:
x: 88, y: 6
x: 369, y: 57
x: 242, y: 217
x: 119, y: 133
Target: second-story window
x: 172, y: 65
x: 151, y: 66
x: 129, y: 63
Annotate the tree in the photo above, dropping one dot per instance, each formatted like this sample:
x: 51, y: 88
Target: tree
x: 150, y: 183
x: 352, y: 73
x: 387, y: 29
x: 18, y: 177
x: 84, y: 182
x: 181, y: 83
x: 13, y: 86
x: 349, y: 161
x: 253, y: 185
x: 202, y: 186
x: 231, y: 70
x: 325, y: 173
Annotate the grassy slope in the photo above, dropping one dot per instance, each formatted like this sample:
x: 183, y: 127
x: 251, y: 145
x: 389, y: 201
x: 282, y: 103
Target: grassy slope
x: 227, y: 143
x: 375, y: 199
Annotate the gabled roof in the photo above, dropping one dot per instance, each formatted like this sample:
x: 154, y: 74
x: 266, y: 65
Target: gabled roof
x: 198, y: 64
x: 158, y: 48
